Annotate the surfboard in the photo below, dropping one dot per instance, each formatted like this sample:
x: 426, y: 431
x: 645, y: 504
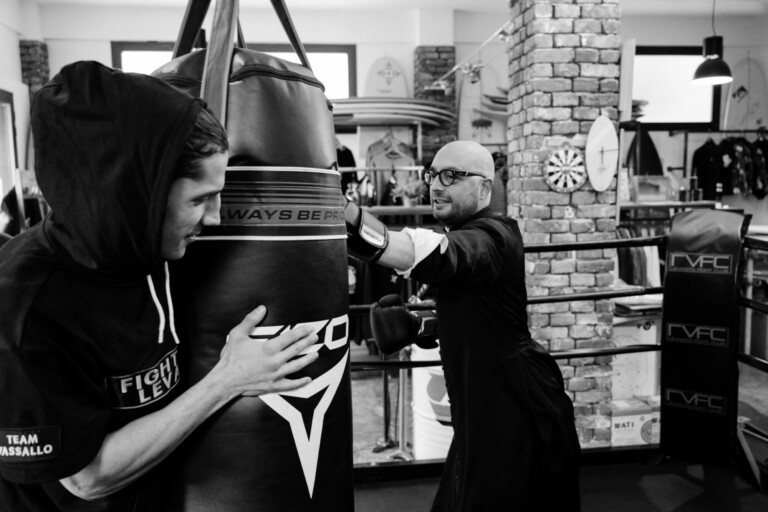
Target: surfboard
x: 391, y: 107
x: 501, y: 100
x: 602, y: 153
x: 476, y: 122
x: 386, y: 78
x: 491, y: 114
x: 382, y: 119
x: 496, y: 107
x: 392, y: 112
x: 411, y: 101
x: 746, y: 99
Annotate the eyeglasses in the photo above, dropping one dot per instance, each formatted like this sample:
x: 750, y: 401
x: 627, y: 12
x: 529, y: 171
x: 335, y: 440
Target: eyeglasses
x: 447, y: 176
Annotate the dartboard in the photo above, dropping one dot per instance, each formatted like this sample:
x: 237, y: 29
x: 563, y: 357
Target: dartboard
x: 565, y: 169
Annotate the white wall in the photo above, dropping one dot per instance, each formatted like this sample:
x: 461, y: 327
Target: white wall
x: 11, y: 23
x: 85, y: 32
x: 10, y: 26
x: 74, y: 32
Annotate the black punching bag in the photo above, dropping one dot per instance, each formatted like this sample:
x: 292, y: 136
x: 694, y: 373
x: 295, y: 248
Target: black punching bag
x: 701, y: 336
x: 281, y: 243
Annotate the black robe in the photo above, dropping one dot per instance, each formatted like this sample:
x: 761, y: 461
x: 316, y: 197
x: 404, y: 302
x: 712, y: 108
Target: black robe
x: 515, y: 445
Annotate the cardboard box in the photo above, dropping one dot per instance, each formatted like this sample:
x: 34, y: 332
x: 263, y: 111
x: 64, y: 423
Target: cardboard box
x: 651, y: 430
x: 627, y: 420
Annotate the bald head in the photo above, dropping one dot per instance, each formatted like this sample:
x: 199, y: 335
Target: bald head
x: 468, y: 155
x: 470, y: 190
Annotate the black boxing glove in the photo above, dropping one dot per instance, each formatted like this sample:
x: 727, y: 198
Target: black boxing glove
x: 427, y: 336
x: 393, y: 327
x: 367, y: 237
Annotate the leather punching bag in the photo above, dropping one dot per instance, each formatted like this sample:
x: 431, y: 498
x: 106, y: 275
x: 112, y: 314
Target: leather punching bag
x: 281, y: 243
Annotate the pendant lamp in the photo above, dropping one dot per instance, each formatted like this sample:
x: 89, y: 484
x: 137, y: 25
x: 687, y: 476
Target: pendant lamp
x: 714, y: 70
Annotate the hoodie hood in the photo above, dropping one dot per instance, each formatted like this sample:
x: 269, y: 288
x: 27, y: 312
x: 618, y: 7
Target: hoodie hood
x: 106, y: 147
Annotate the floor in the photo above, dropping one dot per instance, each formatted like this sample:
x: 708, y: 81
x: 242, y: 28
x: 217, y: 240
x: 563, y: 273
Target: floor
x: 627, y: 487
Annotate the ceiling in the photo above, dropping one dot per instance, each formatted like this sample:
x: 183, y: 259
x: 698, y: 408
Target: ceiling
x: 638, y: 7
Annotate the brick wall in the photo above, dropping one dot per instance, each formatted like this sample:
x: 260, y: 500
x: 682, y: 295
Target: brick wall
x: 430, y: 63
x: 564, y: 73
x: 35, y: 70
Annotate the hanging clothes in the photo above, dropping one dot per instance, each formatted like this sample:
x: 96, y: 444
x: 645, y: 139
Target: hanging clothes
x: 499, y: 192
x: 737, y: 167
x: 707, y: 166
x: 640, y: 266
x: 349, y: 181
x: 389, y: 153
x: 643, y: 147
x: 760, y: 161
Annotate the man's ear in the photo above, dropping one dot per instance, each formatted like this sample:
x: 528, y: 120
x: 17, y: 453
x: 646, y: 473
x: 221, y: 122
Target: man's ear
x: 486, y: 188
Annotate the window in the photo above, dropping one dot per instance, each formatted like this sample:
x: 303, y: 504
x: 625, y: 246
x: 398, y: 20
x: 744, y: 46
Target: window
x: 334, y: 65
x: 140, y: 57
x: 662, y: 77
x: 8, y: 155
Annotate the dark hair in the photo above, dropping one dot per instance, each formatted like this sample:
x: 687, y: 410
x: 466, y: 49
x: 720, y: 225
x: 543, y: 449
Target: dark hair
x: 208, y: 137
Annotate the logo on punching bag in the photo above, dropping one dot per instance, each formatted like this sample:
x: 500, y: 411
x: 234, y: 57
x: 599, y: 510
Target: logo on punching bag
x: 695, y: 401
x: 700, y: 263
x: 247, y: 214
x: 697, y: 334
x: 333, y: 335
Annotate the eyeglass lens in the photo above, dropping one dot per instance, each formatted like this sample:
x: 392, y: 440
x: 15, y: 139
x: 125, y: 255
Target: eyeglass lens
x: 446, y: 176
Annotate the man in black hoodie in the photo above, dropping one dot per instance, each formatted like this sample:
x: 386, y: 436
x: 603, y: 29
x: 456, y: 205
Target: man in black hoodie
x: 92, y: 399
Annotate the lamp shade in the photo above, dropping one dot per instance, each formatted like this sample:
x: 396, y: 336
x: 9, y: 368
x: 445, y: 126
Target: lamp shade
x: 714, y: 70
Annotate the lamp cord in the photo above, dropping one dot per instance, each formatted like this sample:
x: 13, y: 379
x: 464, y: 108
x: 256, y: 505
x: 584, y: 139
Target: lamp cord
x: 713, y: 17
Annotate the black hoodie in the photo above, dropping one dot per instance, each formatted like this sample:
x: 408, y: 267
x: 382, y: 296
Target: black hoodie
x: 87, y: 342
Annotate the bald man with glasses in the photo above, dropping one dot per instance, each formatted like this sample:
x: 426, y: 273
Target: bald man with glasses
x: 515, y: 445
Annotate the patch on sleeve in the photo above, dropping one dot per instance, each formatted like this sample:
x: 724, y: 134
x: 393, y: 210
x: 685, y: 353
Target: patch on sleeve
x: 29, y: 444
x: 146, y: 386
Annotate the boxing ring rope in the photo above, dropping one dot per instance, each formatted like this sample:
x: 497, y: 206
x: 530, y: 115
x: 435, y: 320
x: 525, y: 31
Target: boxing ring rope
x: 582, y: 246
x: 750, y: 305
x: 745, y: 300
x: 402, y: 365
x: 557, y: 354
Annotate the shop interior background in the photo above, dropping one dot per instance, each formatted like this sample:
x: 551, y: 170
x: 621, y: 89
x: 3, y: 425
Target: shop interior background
x: 85, y: 29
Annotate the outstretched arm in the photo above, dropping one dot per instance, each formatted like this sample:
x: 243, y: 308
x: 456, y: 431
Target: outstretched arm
x: 399, y: 254
x: 368, y: 239
x: 247, y: 367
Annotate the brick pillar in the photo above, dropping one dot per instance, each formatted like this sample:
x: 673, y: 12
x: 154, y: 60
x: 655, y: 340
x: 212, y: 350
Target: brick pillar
x: 430, y: 63
x: 35, y: 69
x: 563, y: 64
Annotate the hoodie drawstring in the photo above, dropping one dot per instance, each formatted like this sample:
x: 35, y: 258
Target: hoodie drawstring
x: 160, y: 311
x: 170, y: 303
